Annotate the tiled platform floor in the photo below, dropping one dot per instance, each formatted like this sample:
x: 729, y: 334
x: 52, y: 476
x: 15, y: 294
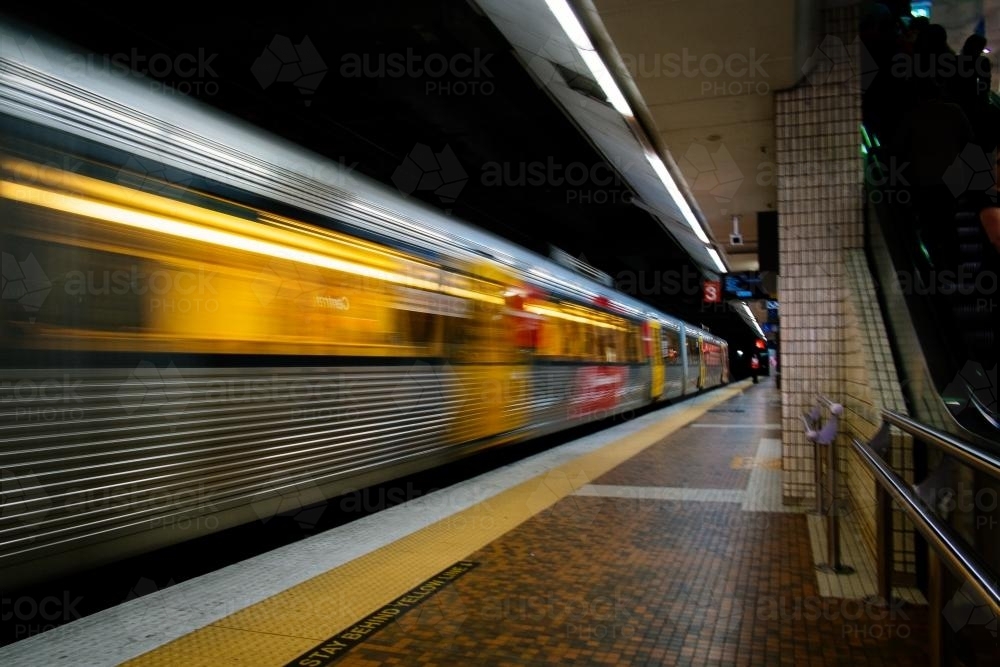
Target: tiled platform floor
x: 599, y: 581
x: 680, y: 577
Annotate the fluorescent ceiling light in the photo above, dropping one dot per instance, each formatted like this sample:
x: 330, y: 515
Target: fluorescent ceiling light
x: 578, y: 35
x: 714, y: 254
x: 675, y: 194
x: 606, y: 81
x: 752, y: 319
x: 571, y: 25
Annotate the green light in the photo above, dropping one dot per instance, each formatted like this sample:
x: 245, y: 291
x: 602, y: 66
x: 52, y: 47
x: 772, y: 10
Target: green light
x: 864, y: 135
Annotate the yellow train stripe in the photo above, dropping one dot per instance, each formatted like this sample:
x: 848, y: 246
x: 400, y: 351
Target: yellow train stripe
x: 283, y: 627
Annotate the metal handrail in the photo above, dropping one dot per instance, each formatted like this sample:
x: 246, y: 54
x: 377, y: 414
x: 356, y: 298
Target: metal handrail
x: 984, y: 411
x: 966, y: 453
x: 948, y: 547
x: 965, y: 563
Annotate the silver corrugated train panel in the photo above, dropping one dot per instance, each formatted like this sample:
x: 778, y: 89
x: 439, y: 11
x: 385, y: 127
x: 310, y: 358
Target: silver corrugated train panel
x: 88, y: 454
x: 105, y: 449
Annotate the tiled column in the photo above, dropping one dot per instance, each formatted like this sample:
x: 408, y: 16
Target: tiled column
x: 820, y: 175
x: 833, y: 338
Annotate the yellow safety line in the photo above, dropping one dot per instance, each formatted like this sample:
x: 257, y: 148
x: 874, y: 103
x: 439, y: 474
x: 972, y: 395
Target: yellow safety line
x: 282, y: 627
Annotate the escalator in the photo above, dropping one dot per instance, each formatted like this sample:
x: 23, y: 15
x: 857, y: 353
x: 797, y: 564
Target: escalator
x: 940, y: 302
x: 938, y: 293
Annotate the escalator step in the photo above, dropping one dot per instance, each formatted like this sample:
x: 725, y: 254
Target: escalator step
x: 974, y: 250
x: 969, y: 314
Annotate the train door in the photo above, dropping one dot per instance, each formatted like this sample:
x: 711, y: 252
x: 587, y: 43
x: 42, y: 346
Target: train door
x: 702, y: 363
x: 672, y: 353
x: 725, y: 363
x: 693, y: 370
x: 684, y: 361
x: 492, y: 373
x: 653, y: 343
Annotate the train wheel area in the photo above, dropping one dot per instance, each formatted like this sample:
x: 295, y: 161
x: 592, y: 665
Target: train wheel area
x: 660, y: 540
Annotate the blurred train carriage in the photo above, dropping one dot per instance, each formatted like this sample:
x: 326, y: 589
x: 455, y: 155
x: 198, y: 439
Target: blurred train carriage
x: 198, y: 319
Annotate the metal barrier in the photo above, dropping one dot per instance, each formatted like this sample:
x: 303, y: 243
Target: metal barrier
x: 946, y: 544
x: 824, y: 438
x: 812, y: 422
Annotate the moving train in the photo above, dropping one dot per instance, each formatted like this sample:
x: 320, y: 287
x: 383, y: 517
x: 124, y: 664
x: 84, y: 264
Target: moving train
x: 205, y: 326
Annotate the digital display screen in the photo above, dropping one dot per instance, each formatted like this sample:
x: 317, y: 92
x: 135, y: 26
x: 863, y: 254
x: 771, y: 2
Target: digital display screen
x: 745, y: 285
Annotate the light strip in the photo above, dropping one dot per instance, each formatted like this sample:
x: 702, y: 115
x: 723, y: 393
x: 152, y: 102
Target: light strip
x: 675, y: 194
x: 571, y: 25
x: 578, y: 35
x: 606, y: 81
x: 753, y: 320
x: 156, y: 223
x: 714, y: 254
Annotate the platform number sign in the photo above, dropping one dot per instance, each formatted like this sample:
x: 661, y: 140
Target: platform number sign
x: 712, y: 291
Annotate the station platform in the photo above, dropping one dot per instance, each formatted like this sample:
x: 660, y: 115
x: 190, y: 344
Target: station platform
x: 659, y: 541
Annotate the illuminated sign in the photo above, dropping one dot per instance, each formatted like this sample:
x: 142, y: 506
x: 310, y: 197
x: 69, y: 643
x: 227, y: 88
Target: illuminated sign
x: 712, y: 291
x: 745, y: 285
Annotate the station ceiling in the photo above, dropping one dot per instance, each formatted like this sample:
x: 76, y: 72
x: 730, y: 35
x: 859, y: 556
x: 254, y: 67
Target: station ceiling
x: 383, y: 85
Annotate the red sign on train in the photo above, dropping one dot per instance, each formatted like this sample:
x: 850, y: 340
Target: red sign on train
x: 598, y: 388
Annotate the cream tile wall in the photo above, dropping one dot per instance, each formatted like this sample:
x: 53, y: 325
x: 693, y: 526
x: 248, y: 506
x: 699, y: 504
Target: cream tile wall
x: 832, y: 339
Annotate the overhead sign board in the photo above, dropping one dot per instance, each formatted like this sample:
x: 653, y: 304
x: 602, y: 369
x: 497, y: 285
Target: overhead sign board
x: 744, y: 285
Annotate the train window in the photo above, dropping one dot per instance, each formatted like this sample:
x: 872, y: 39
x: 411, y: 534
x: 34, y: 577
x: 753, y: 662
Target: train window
x: 585, y: 349
x: 567, y: 333
x: 418, y: 328
x: 671, y: 347
x: 584, y: 344
x: 626, y: 348
x: 694, y: 351
x: 639, y: 344
x: 457, y: 336
x: 608, y: 350
x: 635, y: 333
x: 86, y: 289
x: 560, y: 338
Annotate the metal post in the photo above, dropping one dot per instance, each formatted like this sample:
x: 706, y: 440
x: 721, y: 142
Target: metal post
x: 833, y: 563
x: 935, y: 585
x: 827, y: 437
x: 832, y: 519
x: 886, y: 547
x: 818, y: 461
